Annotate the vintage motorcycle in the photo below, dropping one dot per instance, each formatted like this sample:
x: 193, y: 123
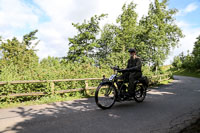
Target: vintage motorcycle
x: 114, y: 90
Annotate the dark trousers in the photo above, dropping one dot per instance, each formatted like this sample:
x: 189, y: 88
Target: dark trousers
x: 130, y: 77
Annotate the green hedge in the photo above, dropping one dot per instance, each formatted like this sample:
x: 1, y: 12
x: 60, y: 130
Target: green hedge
x: 51, y: 71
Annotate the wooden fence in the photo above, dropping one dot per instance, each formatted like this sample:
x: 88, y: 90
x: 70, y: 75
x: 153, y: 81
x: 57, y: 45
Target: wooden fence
x: 52, y: 84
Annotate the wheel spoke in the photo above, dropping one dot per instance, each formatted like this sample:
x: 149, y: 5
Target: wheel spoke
x: 139, y: 93
x: 106, y: 96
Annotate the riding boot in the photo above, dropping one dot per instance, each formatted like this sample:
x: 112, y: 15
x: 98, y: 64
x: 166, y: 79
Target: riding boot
x: 130, y: 91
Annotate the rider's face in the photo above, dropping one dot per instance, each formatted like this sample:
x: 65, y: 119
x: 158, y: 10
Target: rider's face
x: 132, y: 53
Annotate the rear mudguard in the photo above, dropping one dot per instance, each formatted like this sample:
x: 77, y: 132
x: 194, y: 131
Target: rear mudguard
x: 144, y: 84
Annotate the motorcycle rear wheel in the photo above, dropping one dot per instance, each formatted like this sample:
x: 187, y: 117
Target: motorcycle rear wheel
x: 140, y: 92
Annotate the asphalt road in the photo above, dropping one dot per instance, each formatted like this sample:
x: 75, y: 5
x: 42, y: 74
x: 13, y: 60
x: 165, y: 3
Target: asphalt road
x: 167, y: 108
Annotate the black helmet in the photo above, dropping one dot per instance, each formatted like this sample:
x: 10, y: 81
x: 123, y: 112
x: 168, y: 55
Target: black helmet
x: 131, y: 50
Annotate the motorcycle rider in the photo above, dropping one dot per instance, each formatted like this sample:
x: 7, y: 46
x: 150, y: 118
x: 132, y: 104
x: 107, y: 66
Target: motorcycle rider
x: 133, y: 71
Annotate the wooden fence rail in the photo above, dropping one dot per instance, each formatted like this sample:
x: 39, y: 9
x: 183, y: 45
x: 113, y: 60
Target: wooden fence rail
x: 52, y: 85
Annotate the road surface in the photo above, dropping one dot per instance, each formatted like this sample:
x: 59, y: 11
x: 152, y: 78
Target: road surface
x: 167, y: 108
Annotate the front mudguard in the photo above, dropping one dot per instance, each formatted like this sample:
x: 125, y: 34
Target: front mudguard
x: 106, y: 82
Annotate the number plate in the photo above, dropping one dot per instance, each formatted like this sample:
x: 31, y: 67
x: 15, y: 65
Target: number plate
x: 112, y: 77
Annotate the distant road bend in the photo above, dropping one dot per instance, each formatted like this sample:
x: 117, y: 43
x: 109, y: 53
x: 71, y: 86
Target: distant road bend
x: 167, y: 108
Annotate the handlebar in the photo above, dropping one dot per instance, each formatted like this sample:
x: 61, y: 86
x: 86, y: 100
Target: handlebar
x: 115, y: 68
x: 122, y: 70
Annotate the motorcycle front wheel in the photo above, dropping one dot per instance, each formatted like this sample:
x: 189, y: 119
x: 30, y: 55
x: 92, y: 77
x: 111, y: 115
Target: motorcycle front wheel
x: 105, y: 96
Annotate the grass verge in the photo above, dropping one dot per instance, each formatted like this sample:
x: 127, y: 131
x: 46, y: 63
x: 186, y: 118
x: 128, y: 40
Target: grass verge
x: 165, y: 82
x: 43, y: 100
x: 183, y: 72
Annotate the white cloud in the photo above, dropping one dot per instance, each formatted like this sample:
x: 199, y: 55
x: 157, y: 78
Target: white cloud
x: 54, y: 34
x: 15, y: 15
x: 186, y: 43
x: 191, y: 7
x: 182, y: 24
x: 53, y: 38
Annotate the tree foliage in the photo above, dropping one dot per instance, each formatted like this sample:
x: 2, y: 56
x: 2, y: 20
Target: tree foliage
x: 83, y: 44
x: 153, y: 36
x: 159, y: 32
x: 191, y: 61
x: 126, y: 32
x: 18, y: 62
x: 115, y: 40
x: 106, y: 43
x: 177, y: 62
x: 196, y: 53
x: 21, y: 54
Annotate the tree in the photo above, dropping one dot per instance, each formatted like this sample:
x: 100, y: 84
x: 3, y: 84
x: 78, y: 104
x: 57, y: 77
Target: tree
x: 82, y: 46
x: 184, y: 61
x: 177, y: 62
x: 106, y: 43
x: 159, y: 32
x: 115, y: 40
x: 125, y: 33
x: 196, y: 53
x: 188, y: 62
x: 21, y: 54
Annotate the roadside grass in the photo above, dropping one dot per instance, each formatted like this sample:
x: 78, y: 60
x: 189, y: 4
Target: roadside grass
x: 183, y: 72
x: 44, y: 100
x: 165, y: 82
x: 166, y: 68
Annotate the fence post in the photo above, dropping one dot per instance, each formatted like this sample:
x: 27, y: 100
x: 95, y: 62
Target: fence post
x: 52, y: 88
x: 8, y: 95
x: 86, y: 86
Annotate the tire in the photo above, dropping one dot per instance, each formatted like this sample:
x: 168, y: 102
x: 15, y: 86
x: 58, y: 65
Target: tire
x: 105, y: 92
x: 140, y: 92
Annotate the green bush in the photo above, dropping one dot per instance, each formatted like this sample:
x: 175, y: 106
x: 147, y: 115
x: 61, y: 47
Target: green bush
x: 51, y: 69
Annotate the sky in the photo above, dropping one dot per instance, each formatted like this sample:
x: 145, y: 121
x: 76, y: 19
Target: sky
x: 54, y: 18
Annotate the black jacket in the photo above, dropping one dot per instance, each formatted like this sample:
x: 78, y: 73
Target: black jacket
x: 134, y: 64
